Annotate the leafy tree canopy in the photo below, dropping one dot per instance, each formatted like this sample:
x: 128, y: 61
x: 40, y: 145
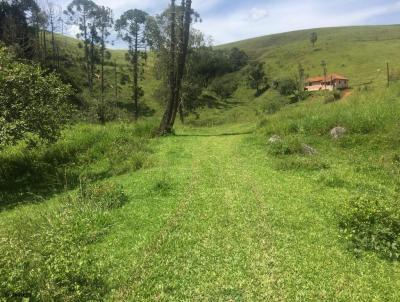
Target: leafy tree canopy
x: 31, y: 102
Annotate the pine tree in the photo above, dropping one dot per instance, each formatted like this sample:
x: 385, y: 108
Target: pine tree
x: 131, y: 28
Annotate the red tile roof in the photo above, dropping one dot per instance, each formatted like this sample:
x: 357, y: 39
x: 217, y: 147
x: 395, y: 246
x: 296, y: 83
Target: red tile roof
x: 333, y: 76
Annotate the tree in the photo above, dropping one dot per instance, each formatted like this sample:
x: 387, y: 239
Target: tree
x: 238, y: 58
x: 179, y: 33
x: 31, y: 101
x: 183, y: 45
x: 53, y: 13
x: 256, y: 77
x: 17, y: 19
x: 104, y: 22
x: 169, y: 35
x: 287, y: 86
x: 81, y: 13
x: 314, y: 38
x: 131, y: 28
x: 224, y: 87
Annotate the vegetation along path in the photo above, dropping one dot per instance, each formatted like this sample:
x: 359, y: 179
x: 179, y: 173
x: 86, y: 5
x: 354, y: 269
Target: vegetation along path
x: 222, y: 225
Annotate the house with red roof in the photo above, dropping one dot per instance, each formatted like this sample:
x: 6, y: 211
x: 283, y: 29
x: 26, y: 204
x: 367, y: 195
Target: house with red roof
x: 330, y: 82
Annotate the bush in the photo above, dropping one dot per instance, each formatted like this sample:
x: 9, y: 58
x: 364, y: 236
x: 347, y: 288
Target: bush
x: 30, y: 102
x: 272, y: 107
x: 287, y: 86
x: 373, y: 223
x: 333, y: 97
x: 224, y: 87
x: 287, y: 146
x: 329, y: 99
x: 46, y: 254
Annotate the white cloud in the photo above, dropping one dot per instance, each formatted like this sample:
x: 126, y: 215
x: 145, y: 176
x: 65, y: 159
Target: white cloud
x: 258, y: 13
x: 290, y: 16
x: 241, y: 20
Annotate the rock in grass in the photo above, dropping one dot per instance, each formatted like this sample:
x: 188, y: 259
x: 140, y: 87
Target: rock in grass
x: 274, y: 139
x: 338, y: 132
x: 308, y: 150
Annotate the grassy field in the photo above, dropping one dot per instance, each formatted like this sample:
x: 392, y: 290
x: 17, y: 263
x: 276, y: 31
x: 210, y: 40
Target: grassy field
x: 216, y: 212
x: 215, y: 218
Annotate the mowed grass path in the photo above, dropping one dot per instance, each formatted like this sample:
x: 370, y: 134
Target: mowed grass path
x: 213, y: 221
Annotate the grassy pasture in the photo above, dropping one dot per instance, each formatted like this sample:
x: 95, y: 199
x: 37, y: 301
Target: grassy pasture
x: 216, y: 213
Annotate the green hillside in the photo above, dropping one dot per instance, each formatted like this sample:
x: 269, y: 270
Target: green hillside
x: 360, y: 53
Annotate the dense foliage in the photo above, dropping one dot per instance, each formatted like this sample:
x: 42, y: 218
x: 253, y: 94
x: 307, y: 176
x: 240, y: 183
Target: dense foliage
x: 257, y: 78
x: 223, y: 87
x: 83, y: 152
x: 31, y: 102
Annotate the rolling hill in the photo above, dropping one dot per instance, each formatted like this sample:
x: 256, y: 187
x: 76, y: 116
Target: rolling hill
x: 359, y: 52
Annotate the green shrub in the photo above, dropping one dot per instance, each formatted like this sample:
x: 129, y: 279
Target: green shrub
x: 224, y: 87
x: 287, y: 146
x: 31, y: 102
x: 46, y: 256
x: 286, y: 86
x: 273, y: 106
x: 329, y: 99
x: 373, y: 223
x: 301, y: 164
x: 333, y: 97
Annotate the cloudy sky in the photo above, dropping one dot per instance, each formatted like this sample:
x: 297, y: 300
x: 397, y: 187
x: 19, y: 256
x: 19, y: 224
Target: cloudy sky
x: 231, y: 20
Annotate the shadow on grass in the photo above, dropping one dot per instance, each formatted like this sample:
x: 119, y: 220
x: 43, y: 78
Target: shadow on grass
x: 144, y: 110
x: 42, y: 187
x: 216, y: 135
x: 212, y: 102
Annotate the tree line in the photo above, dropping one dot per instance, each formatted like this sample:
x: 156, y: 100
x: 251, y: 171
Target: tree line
x: 187, y: 64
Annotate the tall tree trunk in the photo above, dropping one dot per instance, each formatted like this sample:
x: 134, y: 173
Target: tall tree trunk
x: 136, y: 73
x: 181, y: 112
x: 86, y: 45
x: 115, y: 80
x: 102, y: 66
x: 53, y: 41
x: 164, y: 126
x: 185, y: 34
x: 58, y: 58
x: 44, y: 47
x: 91, y: 63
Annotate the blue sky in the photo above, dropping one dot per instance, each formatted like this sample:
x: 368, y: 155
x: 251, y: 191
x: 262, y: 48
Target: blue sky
x: 230, y: 20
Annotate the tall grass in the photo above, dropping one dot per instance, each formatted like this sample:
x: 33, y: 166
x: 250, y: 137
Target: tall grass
x: 45, y: 255
x: 361, y: 114
x: 89, y: 152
